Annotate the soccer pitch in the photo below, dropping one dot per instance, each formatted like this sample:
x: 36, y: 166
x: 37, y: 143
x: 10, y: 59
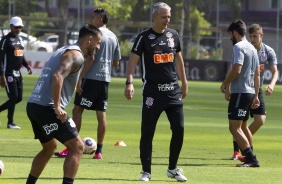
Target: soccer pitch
x: 204, y: 157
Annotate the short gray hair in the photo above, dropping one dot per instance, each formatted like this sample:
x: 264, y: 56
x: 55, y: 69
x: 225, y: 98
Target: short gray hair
x: 160, y: 5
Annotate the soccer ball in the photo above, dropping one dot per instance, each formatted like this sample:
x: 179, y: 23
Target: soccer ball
x: 1, y: 167
x: 90, y: 145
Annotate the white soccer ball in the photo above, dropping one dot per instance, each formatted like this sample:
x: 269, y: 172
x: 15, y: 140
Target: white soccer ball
x: 1, y: 167
x: 90, y: 145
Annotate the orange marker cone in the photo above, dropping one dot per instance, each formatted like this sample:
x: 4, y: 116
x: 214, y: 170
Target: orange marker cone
x: 120, y: 143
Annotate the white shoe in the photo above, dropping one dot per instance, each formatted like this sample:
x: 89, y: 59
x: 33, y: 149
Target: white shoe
x: 13, y: 126
x: 177, y: 174
x: 145, y: 176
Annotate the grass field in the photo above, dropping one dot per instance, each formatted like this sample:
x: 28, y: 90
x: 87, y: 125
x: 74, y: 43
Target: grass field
x: 205, y: 153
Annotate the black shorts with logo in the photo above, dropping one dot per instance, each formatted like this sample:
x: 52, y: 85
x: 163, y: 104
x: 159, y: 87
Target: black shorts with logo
x: 239, y: 106
x: 94, y: 95
x: 261, y: 110
x: 46, y: 126
x: 153, y: 106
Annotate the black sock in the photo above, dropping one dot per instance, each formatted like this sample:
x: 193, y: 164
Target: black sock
x: 67, y: 180
x: 31, y: 179
x: 99, y: 148
x: 235, y: 146
x: 249, y: 153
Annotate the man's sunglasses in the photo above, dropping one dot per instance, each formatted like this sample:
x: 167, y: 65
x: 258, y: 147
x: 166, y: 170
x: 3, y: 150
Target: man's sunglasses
x: 18, y: 27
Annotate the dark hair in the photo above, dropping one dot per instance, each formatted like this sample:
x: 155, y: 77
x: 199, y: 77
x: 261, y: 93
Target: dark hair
x: 255, y: 27
x: 239, y: 26
x: 89, y: 29
x: 103, y: 13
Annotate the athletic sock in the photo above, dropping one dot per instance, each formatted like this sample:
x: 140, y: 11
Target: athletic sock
x: 67, y: 180
x: 31, y: 179
x: 99, y: 148
x: 249, y: 154
x: 235, y: 146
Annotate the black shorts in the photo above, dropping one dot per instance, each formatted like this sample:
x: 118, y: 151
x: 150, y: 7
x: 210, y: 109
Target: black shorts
x: 46, y: 126
x: 94, y: 95
x: 153, y: 106
x: 239, y: 106
x: 261, y: 110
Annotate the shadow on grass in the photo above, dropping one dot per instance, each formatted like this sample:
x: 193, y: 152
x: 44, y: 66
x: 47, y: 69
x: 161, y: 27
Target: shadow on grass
x: 87, y: 179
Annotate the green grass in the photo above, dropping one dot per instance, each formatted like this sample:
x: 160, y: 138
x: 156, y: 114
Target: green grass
x: 205, y: 153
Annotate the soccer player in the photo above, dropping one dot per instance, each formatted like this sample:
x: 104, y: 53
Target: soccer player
x: 243, y: 79
x: 162, y: 64
x: 96, y: 73
x: 266, y: 55
x: 46, y: 105
x: 11, y: 60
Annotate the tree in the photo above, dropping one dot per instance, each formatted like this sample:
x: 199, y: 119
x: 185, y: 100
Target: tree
x: 62, y: 14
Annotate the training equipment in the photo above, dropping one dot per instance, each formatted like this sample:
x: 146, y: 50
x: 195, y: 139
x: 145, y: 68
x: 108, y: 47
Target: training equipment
x: 235, y: 156
x: 1, y: 167
x: 120, y: 143
x: 90, y: 145
x: 177, y: 174
x: 98, y: 156
x: 145, y: 176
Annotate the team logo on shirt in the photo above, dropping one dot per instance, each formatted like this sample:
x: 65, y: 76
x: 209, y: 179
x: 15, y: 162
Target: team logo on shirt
x: 151, y: 36
x: 263, y: 57
x: 170, y: 42
x: 149, y: 102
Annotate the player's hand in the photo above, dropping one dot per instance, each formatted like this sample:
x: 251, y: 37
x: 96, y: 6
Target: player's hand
x: 227, y: 95
x: 61, y: 114
x: 269, y: 90
x: 29, y: 70
x: 129, y: 91
x: 184, y: 89
x: 255, y: 103
x: 78, y: 86
x: 3, y: 82
x: 223, y: 88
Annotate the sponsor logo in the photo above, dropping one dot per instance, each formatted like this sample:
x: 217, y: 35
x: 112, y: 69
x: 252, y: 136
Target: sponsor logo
x: 154, y: 44
x: 72, y: 124
x: 163, y: 58
x: 242, y: 112
x: 151, y: 36
x: 166, y: 87
x: 38, y: 86
x: 162, y: 43
x: 18, y: 52
x: 261, y: 67
x: 50, y: 128
x: 169, y: 34
x: 85, y: 102
x: 149, y: 102
x: 104, y: 68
